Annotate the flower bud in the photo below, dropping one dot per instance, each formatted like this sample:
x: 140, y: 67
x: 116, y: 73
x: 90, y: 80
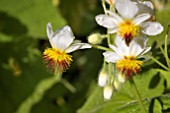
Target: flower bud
x: 102, y: 78
x: 121, y: 77
x: 108, y: 90
x: 94, y: 38
x: 117, y: 85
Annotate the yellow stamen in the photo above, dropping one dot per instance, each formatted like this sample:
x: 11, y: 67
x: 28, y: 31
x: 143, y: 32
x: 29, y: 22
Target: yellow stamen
x: 54, y: 57
x: 129, y: 66
x: 128, y: 30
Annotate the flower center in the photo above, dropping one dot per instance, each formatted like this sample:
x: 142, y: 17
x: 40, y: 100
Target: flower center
x: 56, y: 58
x: 128, y: 30
x: 129, y: 66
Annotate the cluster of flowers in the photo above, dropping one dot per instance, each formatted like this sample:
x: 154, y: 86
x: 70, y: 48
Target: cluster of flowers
x: 132, y: 23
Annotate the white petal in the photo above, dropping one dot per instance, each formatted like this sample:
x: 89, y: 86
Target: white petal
x: 77, y: 46
x: 149, y: 4
x: 50, y: 32
x: 145, y: 7
x: 116, y: 16
x: 111, y: 57
x: 135, y: 48
x: 62, y: 38
x: 117, y: 50
x: 123, y: 48
x: 141, y: 18
x: 126, y: 8
x: 141, y: 40
x: 106, y: 21
x: 85, y: 46
x: 146, y: 50
x: 152, y: 28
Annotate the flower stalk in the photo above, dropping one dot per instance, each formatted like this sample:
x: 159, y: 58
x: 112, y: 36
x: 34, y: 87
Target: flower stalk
x: 138, y: 95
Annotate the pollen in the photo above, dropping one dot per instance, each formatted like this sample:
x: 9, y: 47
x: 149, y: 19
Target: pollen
x: 55, y: 58
x: 129, y: 66
x: 128, y: 30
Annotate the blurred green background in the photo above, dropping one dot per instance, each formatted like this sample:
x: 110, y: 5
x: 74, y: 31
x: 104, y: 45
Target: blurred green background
x: 23, y: 39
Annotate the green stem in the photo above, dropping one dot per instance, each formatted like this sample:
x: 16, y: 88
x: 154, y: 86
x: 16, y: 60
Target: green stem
x: 108, y: 38
x: 104, y: 6
x: 111, y: 78
x: 166, y: 48
x: 138, y: 96
x: 68, y: 85
x: 159, y: 63
x: 101, y: 47
x: 38, y: 93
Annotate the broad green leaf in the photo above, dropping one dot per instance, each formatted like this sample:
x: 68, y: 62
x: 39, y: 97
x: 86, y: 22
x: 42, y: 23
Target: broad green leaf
x: 165, y: 102
x: 34, y: 14
x: 166, y: 75
x: 157, y: 107
x: 150, y: 84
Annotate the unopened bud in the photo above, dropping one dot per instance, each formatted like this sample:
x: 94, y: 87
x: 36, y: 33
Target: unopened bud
x: 121, y: 77
x: 94, y: 38
x: 117, y: 85
x: 102, y: 78
x: 108, y: 90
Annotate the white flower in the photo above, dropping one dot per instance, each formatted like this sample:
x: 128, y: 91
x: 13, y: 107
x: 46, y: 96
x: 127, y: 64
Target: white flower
x: 63, y: 39
x: 129, y: 24
x: 126, y: 57
x: 62, y: 42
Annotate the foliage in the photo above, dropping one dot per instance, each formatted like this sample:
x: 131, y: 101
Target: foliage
x: 23, y: 39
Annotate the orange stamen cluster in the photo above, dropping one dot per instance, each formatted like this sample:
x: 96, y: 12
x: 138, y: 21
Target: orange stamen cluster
x: 56, y: 59
x: 128, y: 30
x: 129, y: 66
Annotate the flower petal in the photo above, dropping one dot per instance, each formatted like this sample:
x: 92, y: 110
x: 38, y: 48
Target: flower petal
x: 123, y: 48
x: 141, y: 18
x: 126, y: 8
x: 149, y: 4
x: 138, y: 44
x: 62, y: 38
x: 117, y: 50
x: 111, y: 57
x: 116, y: 16
x: 76, y: 46
x: 135, y: 48
x: 50, y: 32
x: 145, y: 7
x: 106, y: 21
x: 146, y: 50
x: 152, y: 28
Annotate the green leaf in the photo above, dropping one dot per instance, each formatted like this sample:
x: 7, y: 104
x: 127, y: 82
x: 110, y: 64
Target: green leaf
x: 157, y: 107
x: 150, y: 84
x: 166, y: 75
x: 34, y: 14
